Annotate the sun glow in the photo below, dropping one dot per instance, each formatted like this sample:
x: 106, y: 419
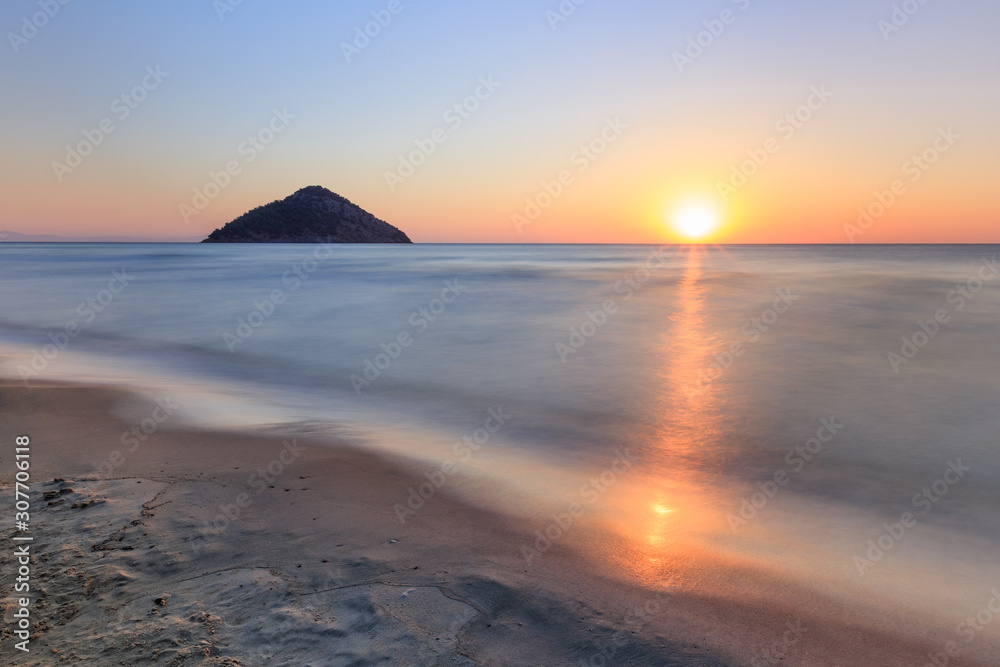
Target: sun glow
x: 695, y: 221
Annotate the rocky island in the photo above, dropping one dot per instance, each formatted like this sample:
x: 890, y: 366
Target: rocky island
x: 311, y: 215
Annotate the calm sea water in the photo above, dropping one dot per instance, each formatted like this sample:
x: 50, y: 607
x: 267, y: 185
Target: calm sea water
x: 714, y: 367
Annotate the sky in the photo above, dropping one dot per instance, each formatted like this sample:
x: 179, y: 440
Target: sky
x: 526, y: 121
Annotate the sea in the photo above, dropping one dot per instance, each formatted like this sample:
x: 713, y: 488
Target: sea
x: 825, y: 414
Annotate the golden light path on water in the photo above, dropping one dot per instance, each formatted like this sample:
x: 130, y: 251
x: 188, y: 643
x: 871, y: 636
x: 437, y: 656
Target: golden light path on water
x: 668, y: 506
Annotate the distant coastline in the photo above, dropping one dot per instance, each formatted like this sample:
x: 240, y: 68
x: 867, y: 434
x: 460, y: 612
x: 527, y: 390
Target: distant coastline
x: 16, y: 237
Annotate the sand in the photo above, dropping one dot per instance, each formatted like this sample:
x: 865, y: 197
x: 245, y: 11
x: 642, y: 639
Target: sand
x: 135, y: 562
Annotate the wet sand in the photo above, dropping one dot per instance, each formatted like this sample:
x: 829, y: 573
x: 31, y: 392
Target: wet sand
x: 207, y: 548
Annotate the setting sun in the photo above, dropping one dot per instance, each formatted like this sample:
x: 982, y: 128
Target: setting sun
x: 695, y: 221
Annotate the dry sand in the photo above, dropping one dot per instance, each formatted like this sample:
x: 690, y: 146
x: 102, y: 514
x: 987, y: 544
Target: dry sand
x: 316, y: 570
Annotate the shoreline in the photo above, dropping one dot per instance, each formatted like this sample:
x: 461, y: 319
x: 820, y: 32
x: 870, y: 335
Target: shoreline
x: 314, y: 568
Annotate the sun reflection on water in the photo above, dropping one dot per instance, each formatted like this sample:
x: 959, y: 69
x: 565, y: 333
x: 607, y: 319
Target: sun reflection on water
x: 665, y: 514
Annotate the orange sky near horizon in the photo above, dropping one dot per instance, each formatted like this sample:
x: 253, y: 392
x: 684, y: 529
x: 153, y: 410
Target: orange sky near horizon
x: 623, y: 200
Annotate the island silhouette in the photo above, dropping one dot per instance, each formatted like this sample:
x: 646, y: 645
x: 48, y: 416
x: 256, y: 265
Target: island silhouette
x: 311, y: 215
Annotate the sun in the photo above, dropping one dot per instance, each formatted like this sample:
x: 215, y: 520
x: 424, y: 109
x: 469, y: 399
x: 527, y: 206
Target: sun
x: 695, y: 221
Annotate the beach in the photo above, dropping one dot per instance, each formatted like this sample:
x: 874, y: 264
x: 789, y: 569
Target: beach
x: 175, y: 557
